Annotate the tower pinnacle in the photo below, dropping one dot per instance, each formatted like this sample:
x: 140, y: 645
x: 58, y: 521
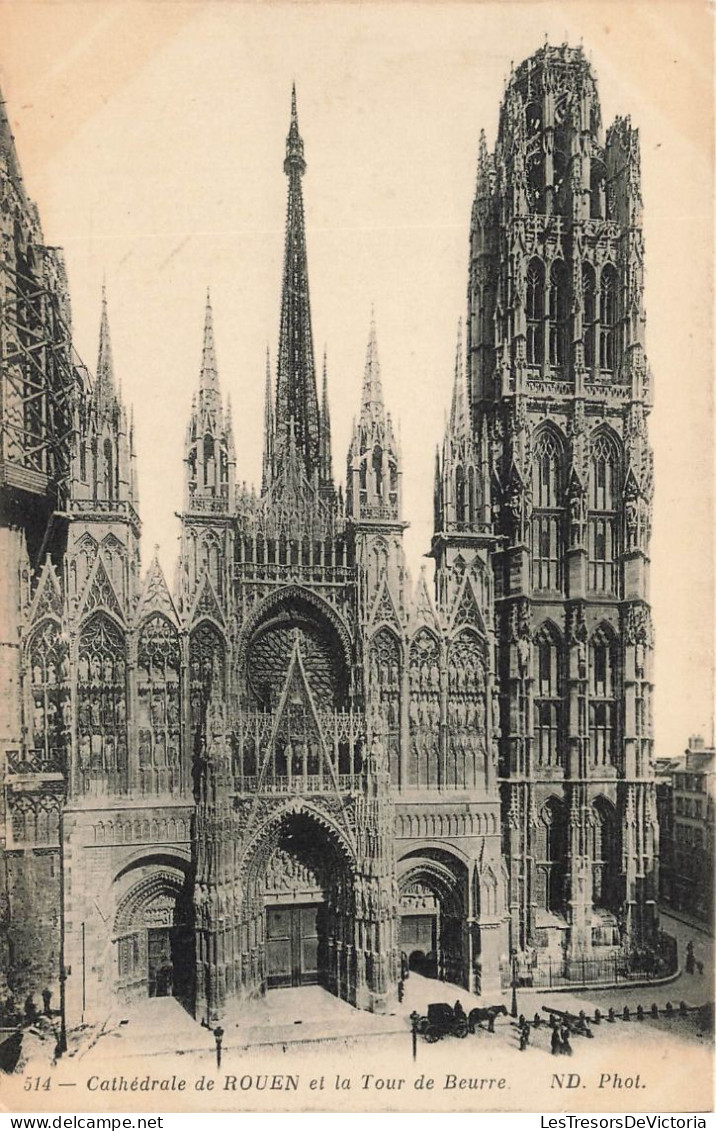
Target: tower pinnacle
x: 209, y: 379
x: 105, y: 365
x: 372, y: 406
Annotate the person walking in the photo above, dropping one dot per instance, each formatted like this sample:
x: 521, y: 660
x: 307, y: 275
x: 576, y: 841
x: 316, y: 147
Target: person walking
x: 690, y: 961
x: 555, y: 1043
x: 565, y: 1046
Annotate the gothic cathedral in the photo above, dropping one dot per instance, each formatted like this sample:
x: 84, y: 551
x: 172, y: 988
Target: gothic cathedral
x: 296, y: 766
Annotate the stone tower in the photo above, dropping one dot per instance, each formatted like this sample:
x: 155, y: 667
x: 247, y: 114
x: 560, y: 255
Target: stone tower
x: 560, y: 392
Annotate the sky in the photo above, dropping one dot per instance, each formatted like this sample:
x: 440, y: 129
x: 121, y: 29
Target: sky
x: 151, y: 136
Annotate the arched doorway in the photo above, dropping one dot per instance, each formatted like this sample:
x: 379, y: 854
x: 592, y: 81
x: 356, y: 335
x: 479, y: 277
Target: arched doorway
x: 154, y: 935
x: 299, y: 907
x: 433, y: 898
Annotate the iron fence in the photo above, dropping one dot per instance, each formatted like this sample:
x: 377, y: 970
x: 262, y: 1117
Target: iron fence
x: 643, y: 964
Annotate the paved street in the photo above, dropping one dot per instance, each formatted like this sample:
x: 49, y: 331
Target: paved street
x: 303, y: 1032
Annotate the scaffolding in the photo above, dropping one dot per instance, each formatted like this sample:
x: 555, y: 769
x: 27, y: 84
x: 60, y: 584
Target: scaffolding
x: 43, y: 380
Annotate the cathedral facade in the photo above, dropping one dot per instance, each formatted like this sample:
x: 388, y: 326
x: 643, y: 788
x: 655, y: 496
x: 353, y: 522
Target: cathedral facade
x: 297, y: 766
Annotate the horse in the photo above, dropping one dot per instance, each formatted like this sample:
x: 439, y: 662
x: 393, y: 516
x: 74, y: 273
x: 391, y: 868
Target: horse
x: 485, y: 1013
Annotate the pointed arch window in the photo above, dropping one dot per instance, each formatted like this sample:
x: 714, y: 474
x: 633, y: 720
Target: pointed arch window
x: 547, y: 698
x: 108, y: 471
x: 384, y: 682
x: 50, y: 691
x: 558, y: 313
x: 547, y: 536
x: 424, y: 711
x: 607, y: 319
x: 471, y: 496
x: 589, y: 314
x: 602, y: 521
x: 552, y: 856
x: 377, y: 465
x: 460, y: 493
x: 207, y: 659
x: 602, y: 707
x: 605, y: 862
x: 535, y: 312
x: 209, y: 457
x: 159, y: 706
x: 102, y: 704
x: 598, y: 190
x: 535, y: 158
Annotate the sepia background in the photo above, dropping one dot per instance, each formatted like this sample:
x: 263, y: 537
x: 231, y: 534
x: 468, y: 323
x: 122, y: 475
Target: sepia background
x: 151, y: 136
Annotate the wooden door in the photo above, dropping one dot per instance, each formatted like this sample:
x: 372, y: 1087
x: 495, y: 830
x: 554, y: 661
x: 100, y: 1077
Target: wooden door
x: 292, y: 945
x: 159, y: 963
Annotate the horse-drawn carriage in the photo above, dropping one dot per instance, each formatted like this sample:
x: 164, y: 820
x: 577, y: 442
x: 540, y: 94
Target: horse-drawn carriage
x: 442, y: 1020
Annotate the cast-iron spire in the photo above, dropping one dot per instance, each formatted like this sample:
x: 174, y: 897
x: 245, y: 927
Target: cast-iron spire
x: 296, y: 393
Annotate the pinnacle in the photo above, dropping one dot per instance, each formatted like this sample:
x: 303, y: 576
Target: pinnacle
x: 105, y: 365
x: 209, y: 381
x: 460, y: 410
x: 372, y: 387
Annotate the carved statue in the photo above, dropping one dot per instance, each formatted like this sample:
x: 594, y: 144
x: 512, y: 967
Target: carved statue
x: 523, y: 656
x: 631, y: 516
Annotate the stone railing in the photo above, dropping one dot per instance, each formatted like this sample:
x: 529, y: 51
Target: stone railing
x: 35, y: 762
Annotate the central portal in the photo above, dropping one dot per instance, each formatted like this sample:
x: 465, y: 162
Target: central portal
x: 292, y: 936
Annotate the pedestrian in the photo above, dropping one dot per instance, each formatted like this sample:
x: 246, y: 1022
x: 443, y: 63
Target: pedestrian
x: 491, y: 1021
x: 537, y: 1021
x: 523, y: 1039
x: 565, y: 1046
x: 640, y: 1013
x: 597, y: 1016
x: 401, y: 990
x: 555, y: 1041
x: 611, y: 1016
x: 31, y: 1014
x: 690, y: 963
x: 626, y: 1015
x: 46, y: 999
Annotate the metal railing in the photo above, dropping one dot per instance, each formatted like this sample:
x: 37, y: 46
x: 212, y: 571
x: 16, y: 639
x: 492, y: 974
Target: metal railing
x: 643, y: 965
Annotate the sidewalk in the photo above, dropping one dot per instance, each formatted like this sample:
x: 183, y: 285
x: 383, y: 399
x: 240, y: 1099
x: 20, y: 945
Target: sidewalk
x: 159, y: 1026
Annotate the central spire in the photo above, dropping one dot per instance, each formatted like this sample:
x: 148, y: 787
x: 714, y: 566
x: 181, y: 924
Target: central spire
x: 296, y: 393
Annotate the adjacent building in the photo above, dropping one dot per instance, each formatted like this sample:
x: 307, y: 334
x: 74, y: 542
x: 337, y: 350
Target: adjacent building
x: 686, y: 787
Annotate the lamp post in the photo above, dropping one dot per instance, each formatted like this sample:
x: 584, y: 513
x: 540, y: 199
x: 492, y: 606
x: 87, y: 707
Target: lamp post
x: 66, y: 740
x: 218, y: 1037
x: 62, y: 1040
x: 513, y: 971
